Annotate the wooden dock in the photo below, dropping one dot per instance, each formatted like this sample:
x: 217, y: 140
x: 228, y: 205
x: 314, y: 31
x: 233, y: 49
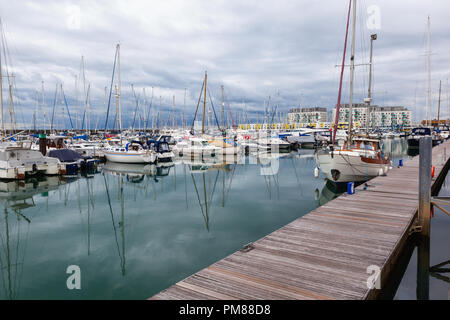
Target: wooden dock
x: 325, y: 253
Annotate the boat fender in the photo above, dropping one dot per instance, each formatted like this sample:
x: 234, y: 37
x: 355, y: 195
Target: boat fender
x: 316, y: 172
x: 351, y: 188
x: 432, y: 172
x: 380, y: 172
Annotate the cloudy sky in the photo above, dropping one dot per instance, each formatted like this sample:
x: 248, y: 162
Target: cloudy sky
x: 287, y: 50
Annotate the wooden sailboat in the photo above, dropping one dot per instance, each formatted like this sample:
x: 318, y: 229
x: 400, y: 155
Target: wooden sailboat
x: 360, y: 159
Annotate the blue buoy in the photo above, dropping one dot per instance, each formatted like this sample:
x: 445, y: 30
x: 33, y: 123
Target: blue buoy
x: 351, y: 188
x: 400, y: 163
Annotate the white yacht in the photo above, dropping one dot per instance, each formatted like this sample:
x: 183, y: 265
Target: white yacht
x: 195, y: 147
x: 131, y: 152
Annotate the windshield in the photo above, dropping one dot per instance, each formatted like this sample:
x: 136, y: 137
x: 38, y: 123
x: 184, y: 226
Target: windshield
x: 164, y: 147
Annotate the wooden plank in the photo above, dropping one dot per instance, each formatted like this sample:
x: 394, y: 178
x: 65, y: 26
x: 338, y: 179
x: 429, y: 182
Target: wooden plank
x: 325, y: 253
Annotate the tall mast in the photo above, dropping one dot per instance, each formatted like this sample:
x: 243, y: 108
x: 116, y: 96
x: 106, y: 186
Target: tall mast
x: 118, y: 92
x: 448, y: 103
x: 152, y: 110
x: 145, y: 111
x: 184, y: 108
x: 43, y: 101
x: 439, y: 101
x: 338, y: 104
x: 173, y: 112
x: 11, y: 108
x: 223, y: 108
x: 1, y: 86
x: 369, y: 93
x: 428, y: 71
x: 204, y: 106
x: 352, y: 76
x: 84, y: 88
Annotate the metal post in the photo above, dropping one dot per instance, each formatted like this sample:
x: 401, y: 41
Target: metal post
x: 423, y: 268
x: 425, y: 147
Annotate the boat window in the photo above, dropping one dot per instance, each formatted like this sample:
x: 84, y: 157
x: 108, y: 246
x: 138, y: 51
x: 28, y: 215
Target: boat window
x: 164, y: 147
x: 204, y: 143
x: 366, y: 145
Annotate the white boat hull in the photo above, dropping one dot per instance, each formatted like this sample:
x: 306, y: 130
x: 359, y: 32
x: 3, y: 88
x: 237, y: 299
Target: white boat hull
x: 130, y: 157
x: 349, y: 168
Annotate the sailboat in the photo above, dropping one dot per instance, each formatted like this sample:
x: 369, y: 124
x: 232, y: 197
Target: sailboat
x: 133, y: 151
x: 360, y: 158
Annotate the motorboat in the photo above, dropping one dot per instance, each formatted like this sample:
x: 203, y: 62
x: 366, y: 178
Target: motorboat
x: 195, y: 147
x: 162, y: 150
x: 19, y: 161
x: 73, y: 160
x: 420, y: 132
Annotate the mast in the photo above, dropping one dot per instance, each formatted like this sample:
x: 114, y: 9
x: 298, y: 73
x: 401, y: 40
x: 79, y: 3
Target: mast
x: 223, y: 108
x: 118, y: 92
x: 204, y: 106
x: 184, y: 108
x: 43, y: 103
x: 84, y: 88
x: 1, y: 88
x: 352, y: 75
x: 439, y: 101
x: 428, y: 53
x: 338, y: 105
x: 173, y: 112
x: 369, y: 93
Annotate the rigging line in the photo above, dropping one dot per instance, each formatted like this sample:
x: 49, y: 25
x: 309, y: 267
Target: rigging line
x: 148, y: 110
x: 137, y: 105
x: 17, y: 264
x: 112, y: 217
x: 336, y: 121
x: 229, y: 109
x: 231, y: 180
x: 86, y: 103
x: 214, y: 110
x: 110, y: 90
x: 24, y: 251
x: 214, y: 188
x: 67, y: 106
x: 198, y: 103
x: 198, y: 197
x: 54, y: 105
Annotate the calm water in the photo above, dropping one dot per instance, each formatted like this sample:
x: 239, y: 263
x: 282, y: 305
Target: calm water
x: 136, y: 230
x: 411, y: 287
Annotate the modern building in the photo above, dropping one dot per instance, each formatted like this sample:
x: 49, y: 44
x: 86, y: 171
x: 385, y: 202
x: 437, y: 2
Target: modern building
x: 308, y: 115
x: 380, y: 116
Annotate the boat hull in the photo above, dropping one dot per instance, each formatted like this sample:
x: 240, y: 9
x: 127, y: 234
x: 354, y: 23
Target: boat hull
x: 127, y: 157
x: 341, y: 168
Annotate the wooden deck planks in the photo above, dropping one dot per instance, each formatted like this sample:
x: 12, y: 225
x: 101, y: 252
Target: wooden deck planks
x: 325, y: 253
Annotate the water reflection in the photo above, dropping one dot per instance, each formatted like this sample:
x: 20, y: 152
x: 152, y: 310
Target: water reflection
x: 15, y: 197
x: 134, y: 230
x: 329, y: 192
